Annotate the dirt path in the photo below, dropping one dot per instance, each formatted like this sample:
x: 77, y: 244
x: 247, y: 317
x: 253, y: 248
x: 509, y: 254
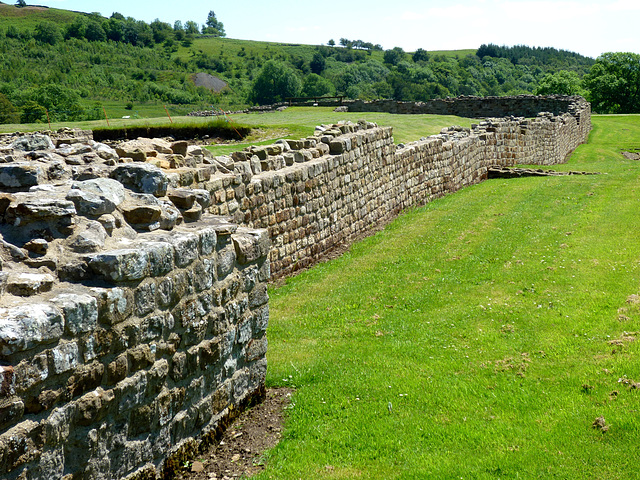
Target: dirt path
x: 240, y: 452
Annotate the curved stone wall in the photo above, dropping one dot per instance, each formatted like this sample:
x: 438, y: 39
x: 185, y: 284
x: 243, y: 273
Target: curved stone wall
x: 133, y: 298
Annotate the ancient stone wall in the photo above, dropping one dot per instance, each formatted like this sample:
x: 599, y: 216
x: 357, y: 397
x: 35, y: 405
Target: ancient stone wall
x: 133, y: 302
x: 324, y: 191
x: 477, y: 107
x: 129, y: 326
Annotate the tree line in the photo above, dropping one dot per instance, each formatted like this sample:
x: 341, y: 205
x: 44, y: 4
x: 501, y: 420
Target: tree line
x: 118, y: 28
x: 66, y: 71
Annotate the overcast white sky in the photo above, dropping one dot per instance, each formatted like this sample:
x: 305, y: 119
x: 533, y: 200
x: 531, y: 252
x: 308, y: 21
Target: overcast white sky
x: 588, y: 27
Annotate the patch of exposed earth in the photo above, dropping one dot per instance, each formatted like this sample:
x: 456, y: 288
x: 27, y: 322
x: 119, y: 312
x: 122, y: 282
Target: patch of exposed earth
x: 240, y: 452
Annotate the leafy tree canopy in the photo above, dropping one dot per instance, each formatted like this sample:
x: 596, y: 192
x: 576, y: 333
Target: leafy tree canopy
x: 47, y: 32
x: 8, y: 113
x: 614, y: 83
x: 559, y: 83
x: 214, y: 26
x: 394, y: 56
x: 275, y: 82
x: 420, y: 55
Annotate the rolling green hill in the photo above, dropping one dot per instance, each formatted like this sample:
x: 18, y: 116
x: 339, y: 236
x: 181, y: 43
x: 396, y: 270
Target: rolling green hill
x: 76, y: 66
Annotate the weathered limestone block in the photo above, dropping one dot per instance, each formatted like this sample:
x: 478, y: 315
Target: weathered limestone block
x: 142, y: 178
x: 65, y: 357
x: 89, y: 236
x: 30, y: 143
x: 35, y: 207
x: 97, y: 196
x: 26, y: 326
x: 80, y: 312
x: 120, y: 265
x: 29, y: 284
x: 21, y: 175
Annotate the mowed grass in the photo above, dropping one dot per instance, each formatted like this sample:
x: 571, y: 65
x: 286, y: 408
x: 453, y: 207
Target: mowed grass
x: 478, y: 337
x: 293, y: 123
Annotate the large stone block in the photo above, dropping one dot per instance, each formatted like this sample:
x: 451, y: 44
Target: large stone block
x: 120, y: 265
x: 20, y: 175
x: 142, y: 178
x: 26, y: 326
x: 80, y: 312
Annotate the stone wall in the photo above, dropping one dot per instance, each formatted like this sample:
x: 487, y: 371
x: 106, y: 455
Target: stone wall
x: 321, y: 193
x: 477, y: 107
x: 129, y: 325
x: 133, y: 302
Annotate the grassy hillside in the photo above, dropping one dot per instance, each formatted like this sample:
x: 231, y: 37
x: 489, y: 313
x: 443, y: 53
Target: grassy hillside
x: 481, y: 336
x: 30, y: 16
x: 69, y: 66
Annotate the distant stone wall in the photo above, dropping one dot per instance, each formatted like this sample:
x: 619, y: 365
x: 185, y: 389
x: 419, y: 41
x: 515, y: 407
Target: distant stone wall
x: 133, y: 298
x: 477, y: 107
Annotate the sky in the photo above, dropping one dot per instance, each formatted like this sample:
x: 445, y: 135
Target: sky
x: 587, y: 27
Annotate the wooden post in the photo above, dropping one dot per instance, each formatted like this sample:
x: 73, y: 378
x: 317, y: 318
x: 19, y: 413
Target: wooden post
x: 167, y: 110
x: 105, y: 115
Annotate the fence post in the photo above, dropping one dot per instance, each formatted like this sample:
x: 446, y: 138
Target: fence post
x: 167, y: 110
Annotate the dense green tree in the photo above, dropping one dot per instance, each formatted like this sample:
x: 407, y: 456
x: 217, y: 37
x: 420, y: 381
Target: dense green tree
x: 77, y: 28
x: 275, y: 82
x: 562, y: 82
x: 162, y: 31
x: 214, y: 26
x: 420, y: 55
x: 331, y: 43
x: 21, y: 3
x: 316, y: 86
x: 318, y: 63
x: 62, y: 103
x: 32, y: 112
x: 394, y: 56
x: 191, y: 28
x: 94, y: 32
x: 8, y: 113
x: 47, y: 32
x: 613, y: 83
x: 114, y: 29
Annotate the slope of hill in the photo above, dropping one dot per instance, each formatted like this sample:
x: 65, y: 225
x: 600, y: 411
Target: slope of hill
x: 71, y: 65
x: 30, y: 16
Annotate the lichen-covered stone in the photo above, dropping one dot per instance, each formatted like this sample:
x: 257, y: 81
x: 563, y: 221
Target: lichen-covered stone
x: 80, y: 312
x: 33, y: 142
x: 120, y: 265
x: 26, y: 326
x: 20, y: 175
x: 142, y: 178
x: 29, y: 284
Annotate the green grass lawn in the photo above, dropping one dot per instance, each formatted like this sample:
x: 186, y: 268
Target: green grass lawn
x: 293, y: 123
x: 478, y: 337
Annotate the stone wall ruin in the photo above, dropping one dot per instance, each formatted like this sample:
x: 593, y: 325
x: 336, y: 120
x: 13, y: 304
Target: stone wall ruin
x: 133, y: 277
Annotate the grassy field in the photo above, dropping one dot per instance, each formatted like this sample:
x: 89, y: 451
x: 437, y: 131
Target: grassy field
x: 30, y: 16
x: 294, y: 123
x: 479, y: 337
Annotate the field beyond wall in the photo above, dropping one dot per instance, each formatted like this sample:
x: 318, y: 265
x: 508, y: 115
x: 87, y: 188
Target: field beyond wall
x: 480, y: 336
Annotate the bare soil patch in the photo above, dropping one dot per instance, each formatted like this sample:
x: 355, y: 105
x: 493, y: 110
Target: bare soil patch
x: 209, y: 81
x: 240, y: 453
